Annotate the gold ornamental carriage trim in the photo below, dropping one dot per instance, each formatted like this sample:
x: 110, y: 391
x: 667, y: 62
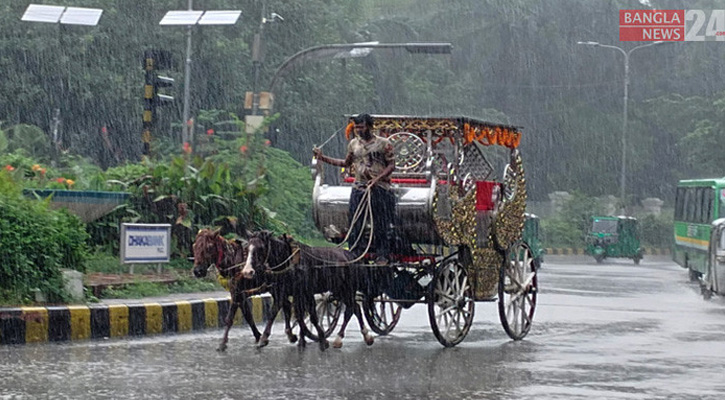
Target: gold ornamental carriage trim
x: 469, y: 130
x: 507, y: 227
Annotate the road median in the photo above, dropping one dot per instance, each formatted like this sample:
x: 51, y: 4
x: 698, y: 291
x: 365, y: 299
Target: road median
x: 573, y: 251
x: 20, y: 325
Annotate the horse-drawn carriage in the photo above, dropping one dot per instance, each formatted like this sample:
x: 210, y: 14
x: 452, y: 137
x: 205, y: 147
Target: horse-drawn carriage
x: 458, y: 228
x: 458, y: 241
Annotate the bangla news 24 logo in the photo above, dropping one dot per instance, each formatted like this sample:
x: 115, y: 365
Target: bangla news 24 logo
x: 671, y: 25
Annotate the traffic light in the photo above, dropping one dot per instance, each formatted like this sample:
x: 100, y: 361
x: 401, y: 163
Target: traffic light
x: 154, y: 60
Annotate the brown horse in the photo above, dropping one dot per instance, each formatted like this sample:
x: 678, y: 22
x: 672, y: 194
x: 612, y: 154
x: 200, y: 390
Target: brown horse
x: 228, y: 257
x: 294, y: 269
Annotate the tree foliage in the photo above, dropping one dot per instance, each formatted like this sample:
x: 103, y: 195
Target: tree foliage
x: 513, y: 61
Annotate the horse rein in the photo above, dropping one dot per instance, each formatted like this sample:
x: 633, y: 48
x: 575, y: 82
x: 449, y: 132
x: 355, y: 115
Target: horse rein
x: 271, y: 270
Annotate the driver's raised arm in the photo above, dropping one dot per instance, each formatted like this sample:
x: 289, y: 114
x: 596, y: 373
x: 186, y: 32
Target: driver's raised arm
x: 338, y: 162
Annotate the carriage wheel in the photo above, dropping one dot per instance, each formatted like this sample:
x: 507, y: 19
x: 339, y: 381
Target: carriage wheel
x: 517, y: 289
x: 509, y: 183
x: 450, y: 303
x: 328, y: 313
x: 382, y: 315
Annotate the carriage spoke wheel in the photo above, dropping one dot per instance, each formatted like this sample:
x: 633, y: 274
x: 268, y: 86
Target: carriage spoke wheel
x: 328, y: 313
x: 450, y: 303
x: 517, y: 289
x: 382, y: 315
x: 509, y: 183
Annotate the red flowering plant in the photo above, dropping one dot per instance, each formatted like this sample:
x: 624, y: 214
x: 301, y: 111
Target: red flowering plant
x: 71, y: 173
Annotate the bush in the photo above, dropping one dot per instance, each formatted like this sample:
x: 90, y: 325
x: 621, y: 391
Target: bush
x: 656, y: 230
x: 36, y: 242
x: 556, y: 232
x: 569, y: 228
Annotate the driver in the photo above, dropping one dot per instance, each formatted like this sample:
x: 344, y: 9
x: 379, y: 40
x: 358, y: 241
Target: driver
x: 372, y: 159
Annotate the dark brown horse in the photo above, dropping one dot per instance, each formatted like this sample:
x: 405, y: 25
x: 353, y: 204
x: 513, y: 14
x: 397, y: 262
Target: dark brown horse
x: 228, y: 256
x: 297, y: 270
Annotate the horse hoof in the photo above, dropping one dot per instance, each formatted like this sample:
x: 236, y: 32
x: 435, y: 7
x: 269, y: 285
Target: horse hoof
x: 262, y: 343
x: 324, y: 344
x: 369, y: 340
x: 222, y: 347
x: 337, y: 343
x: 293, y: 339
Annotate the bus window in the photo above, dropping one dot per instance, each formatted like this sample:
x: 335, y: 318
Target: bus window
x: 689, y: 205
x: 708, y: 206
x: 721, y: 201
x: 679, y: 203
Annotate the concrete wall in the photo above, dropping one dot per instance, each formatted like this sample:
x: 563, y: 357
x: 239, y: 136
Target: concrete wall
x: 550, y: 208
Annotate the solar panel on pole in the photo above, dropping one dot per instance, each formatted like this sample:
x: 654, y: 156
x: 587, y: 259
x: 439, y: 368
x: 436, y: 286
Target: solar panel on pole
x: 222, y: 17
x: 41, y: 13
x: 81, y: 16
x: 189, y: 18
x: 181, y: 18
x: 64, y: 15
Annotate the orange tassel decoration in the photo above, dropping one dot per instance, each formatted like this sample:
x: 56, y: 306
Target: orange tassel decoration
x: 349, y: 130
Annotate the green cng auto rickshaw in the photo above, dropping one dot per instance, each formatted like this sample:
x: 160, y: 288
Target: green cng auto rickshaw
x: 614, y: 237
x: 530, y: 236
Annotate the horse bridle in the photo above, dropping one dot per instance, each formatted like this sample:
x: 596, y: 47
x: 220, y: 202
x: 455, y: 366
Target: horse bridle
x: 220, y: 257
x: 290, y: 265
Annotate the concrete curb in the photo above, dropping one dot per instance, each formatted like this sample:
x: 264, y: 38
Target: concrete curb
x: 559, y: 251
x: 77, y: 322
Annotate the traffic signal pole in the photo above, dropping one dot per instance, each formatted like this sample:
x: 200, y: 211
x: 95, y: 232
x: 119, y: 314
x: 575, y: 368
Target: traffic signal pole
x: 153, y: 61
x: 148, y: 102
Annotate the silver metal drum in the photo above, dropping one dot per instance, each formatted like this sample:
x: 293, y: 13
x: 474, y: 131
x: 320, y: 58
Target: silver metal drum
x: 414, y: 208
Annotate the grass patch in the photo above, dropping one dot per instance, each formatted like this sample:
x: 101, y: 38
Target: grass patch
x: 111, y: 264
x: 149, y: 289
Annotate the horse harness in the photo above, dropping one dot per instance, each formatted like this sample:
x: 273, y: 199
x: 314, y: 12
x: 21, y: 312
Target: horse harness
x: 292, y: 261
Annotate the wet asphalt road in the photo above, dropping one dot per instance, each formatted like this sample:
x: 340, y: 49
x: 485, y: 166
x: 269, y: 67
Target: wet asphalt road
x: 609, y: 331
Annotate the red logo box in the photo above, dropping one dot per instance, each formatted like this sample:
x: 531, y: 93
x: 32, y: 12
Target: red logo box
x: 651, y: 25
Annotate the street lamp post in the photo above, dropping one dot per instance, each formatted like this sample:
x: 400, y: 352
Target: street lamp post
x: 626, y: 53
x: 352, y: 50
x: 190, y: 18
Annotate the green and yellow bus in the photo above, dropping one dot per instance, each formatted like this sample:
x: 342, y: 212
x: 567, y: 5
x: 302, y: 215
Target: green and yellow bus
x: 698, y: 202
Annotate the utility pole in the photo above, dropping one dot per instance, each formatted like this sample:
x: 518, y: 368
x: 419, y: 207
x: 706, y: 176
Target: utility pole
x: 185, y: 134
x: 190, y: 18
x: 56, y: 138
x: 257, y: 56
x: 625, y: 113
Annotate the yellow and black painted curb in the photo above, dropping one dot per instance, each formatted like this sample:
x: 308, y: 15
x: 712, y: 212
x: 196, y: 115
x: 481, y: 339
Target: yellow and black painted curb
x: 77, y: 322
x: 559, y: 251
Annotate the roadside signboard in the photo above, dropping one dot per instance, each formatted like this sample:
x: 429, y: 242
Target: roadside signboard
x: 145, y: 243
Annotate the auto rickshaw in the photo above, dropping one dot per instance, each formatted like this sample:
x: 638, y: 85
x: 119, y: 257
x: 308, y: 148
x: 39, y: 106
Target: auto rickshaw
x: 530, y: 236
x: 614, y: 237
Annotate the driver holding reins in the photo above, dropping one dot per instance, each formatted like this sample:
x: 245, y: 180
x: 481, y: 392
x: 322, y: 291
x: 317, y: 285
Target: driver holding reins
x: 372, y: 159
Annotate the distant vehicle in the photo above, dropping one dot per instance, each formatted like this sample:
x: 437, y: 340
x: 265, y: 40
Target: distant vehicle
x: 698, y: 203
x: 614, y: 237
x: 713, y: 281
x: 530, y: 236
